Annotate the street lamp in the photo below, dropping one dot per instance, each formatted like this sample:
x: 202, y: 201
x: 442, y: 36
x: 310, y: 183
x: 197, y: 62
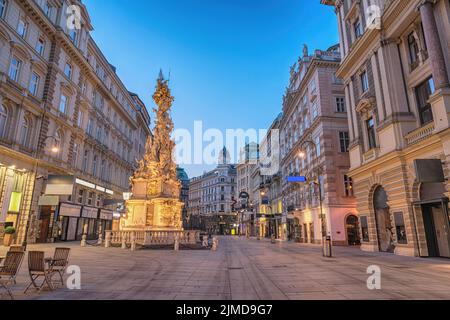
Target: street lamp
x: 54, y: 149
x: 326, y: 240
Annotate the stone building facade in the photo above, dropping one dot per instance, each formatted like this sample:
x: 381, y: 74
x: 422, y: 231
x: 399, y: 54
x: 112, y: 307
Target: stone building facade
x: 396, y: 66
x: 63, y: 112
x: 212, y: 198
x: 314, y: 137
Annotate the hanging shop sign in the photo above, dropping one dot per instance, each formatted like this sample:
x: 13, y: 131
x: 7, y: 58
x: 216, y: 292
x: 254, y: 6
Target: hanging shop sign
x: 89, y: 212
x: 106, y: 214
x: 69, y: 210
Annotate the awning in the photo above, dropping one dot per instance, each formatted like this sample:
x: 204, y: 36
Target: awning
x: 69, y: 210
x: 90, y: 213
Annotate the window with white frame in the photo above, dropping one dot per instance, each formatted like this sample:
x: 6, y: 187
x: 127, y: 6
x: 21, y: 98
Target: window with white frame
x: 40, y: 46
x: 85, y: 160
x: 318, y: 146
x: 63, y: 104
x: 2, y: 8
x: 80, y: 118
x: 3, y: 120
x: 14, y: 69
x: 364, y: 82
x: 68, y: 70
x: 73, y: 35
x: 357, y: 28
x: 315, y: 111
x: 25, y: 132
x: 34, y: 83
x: 22, y: 28
x: 75, y: 155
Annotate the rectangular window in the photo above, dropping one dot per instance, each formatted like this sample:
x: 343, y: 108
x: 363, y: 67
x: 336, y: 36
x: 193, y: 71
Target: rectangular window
x: 75, y: 155
x: 400, y: 228
x: 413, y: 49
x: 80, y: 197
x: 34, y: 84
x: 40, y: 46
x: 348, y: 185
x: 68, y: 71
x: 90, y: 198
x: 340, y: 104
x: 344, y: 141
x: 80, y: 119
x: 318, y: 147
x: 73, y: 36
x: 364, y: 82
x: 315, y: 111
x: 14, y: 69
x: 370, y: 125
x: 63, y: 104
x: 85, y: 160
x: 423, y: 93
x: 47, y: 9
x: 22, y: 28
x: 2, y: 8
x: 364, y: 229
x: 357, y: 26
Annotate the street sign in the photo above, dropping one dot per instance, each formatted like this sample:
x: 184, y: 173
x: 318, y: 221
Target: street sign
x: 299, y: 179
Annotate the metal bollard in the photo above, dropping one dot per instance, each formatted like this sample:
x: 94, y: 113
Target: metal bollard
x: 215, y: 244
x: 100, y: 239
x: 177, y: 243
x: 133, y: 241
x: 205, y: 241
x: 124, y: 243
x: 108, y: 239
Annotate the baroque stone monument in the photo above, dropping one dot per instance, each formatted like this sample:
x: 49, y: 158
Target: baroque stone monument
x: 155, y: 204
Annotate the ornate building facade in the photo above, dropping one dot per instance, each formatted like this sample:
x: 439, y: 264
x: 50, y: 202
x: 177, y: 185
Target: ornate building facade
x: 396, y: 67
x: 314, y: 144
x: 212, y: 198
x: 64, y: 112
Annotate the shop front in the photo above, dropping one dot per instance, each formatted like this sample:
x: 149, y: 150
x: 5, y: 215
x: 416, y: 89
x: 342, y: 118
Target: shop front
x: 68, y: 215
x: 88, y: 223
x: 105, y: 221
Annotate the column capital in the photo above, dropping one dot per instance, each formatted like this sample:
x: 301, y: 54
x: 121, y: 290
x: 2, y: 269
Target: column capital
x: 425, y: 2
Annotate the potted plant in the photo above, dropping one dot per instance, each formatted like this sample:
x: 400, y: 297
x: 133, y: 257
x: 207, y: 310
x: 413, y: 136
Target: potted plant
x: 9, y: 235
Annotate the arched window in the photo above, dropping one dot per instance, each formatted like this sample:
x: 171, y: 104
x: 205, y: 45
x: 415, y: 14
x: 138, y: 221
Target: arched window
x: 3, y: 120
x: 2, y: 8
x: 25, y: 129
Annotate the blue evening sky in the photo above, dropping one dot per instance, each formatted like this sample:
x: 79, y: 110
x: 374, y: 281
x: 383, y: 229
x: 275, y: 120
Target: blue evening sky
x: 228, y: 59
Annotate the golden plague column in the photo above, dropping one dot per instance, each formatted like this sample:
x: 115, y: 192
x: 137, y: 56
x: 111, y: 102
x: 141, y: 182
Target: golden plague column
x: 154, y: 204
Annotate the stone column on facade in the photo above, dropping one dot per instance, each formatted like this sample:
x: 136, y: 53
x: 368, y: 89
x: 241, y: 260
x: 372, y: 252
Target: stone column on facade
x: 434, y: 46
x: 440, y: 100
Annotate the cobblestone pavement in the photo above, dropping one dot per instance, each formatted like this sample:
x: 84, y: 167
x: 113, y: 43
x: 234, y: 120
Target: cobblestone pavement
x: 243, y: 269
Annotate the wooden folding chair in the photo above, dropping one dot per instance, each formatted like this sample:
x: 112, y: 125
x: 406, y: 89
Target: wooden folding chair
x: 60, y: 261
x: 37, y: 268
x: 9, y: 270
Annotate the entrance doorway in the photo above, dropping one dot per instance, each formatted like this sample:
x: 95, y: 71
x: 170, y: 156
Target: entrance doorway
x: 352, y: 227
x: 383, y: 220
x: 45, y: 218
x: 436, y: 219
